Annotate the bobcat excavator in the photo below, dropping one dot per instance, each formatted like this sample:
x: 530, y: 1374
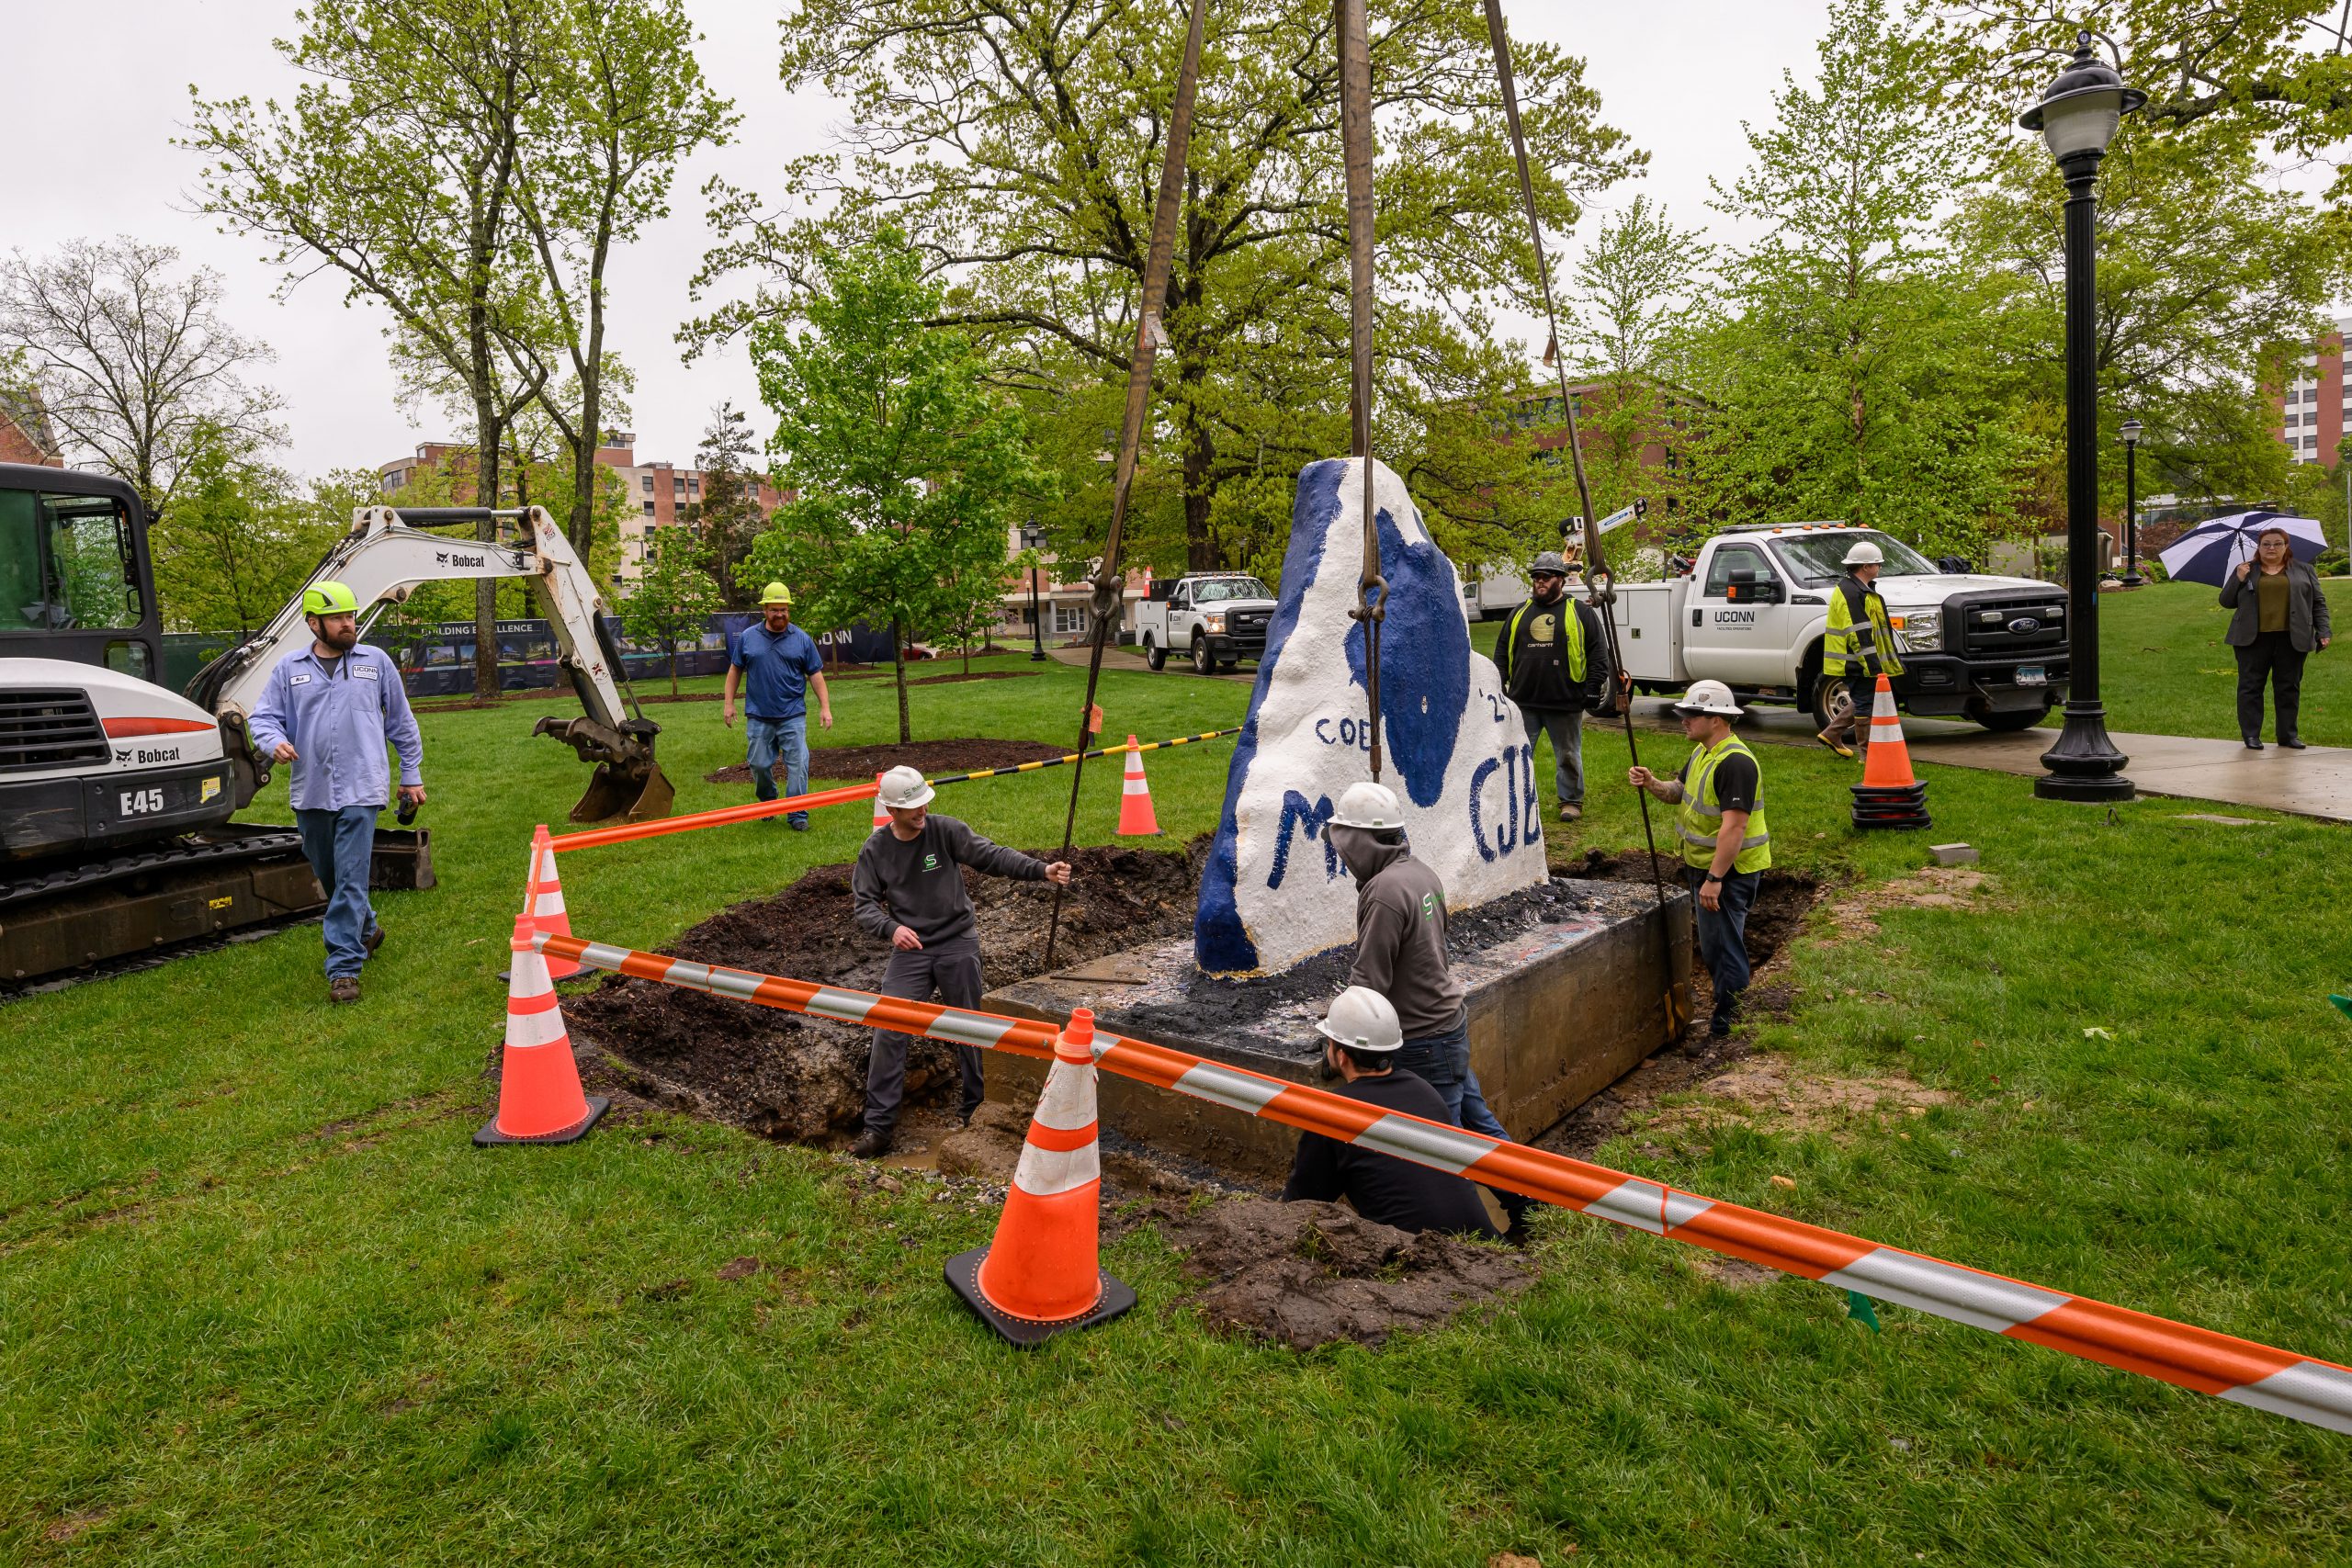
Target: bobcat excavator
x: 116, y: 795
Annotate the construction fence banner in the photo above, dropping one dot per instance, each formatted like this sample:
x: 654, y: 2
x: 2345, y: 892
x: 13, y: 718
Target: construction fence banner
x: 2279, y: 1381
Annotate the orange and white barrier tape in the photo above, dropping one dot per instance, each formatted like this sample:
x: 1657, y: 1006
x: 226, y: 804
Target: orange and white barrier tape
x: 2295, y: 1386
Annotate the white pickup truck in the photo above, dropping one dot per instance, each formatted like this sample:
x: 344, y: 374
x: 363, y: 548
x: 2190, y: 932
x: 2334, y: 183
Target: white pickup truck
x: 1216, y: 619
x: 1753, y: 608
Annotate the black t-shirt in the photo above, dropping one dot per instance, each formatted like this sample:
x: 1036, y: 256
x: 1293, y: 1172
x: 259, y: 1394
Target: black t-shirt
x: 1736, y: 782
x: 1381, y: 1187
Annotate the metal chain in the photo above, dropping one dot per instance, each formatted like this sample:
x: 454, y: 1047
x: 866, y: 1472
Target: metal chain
x: 1150, y: 336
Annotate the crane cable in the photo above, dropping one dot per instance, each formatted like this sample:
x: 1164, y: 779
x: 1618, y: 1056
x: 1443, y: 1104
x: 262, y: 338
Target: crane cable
x: 1150, y: 336
x: 1597, y: 567
x: 1356, y: 150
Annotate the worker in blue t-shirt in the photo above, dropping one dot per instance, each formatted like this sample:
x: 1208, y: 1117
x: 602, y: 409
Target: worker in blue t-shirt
x: 784, y: 663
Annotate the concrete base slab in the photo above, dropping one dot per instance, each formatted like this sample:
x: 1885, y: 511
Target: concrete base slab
x: 1570, y: 986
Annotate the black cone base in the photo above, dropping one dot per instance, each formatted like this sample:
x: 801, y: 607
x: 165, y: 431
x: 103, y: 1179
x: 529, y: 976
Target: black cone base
x: 489, y: 1137
x: 1027, y: 1334
x: 1884, y: 805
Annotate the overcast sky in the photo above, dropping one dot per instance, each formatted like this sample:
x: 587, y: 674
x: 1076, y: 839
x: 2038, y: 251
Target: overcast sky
x: 110, y: 91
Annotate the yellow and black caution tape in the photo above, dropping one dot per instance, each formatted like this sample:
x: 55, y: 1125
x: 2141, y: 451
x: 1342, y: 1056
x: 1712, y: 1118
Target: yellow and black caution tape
x: 1083, y: 756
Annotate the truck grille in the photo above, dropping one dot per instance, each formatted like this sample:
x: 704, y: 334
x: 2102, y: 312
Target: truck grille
x: 1248, y: 623
x: 2005, y: 629
x: 49, y: 729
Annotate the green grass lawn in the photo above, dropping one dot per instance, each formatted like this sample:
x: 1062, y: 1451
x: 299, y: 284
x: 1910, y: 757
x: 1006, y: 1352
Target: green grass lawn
x: 261, y: 1300
x: 2164, y: 669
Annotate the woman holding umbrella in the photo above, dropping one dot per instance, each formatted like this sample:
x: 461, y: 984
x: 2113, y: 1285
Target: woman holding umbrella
x: 2280, y: 617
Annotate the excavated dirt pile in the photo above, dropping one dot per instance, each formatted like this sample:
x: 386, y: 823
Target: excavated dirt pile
x: 1307, y: 1274
x: 786, y: 1076
x: 924, y: 756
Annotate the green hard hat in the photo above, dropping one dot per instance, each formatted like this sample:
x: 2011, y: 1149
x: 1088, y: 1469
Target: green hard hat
x: 329, y: 599
x: 776, y: 593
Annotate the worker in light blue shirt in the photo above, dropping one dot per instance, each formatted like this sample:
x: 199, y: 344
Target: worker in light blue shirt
x: 327, y: 713
x: 783, y: 665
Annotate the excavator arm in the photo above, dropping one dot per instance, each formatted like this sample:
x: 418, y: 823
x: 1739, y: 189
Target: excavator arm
x: 384, y: 557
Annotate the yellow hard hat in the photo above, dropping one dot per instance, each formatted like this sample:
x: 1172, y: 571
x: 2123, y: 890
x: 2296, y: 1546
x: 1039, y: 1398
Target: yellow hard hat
x: 776, y: 593
x: 329, y: 599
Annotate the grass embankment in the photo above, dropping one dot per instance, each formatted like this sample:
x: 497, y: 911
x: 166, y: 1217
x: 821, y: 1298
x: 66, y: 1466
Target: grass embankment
x: 262, y: 1300
x: 2164, y: 669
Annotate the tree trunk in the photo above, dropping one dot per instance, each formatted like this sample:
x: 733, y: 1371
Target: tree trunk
x: 1200, y: 456
x: 489, y: 435
x: 898, y: 667
x: 673, y: 667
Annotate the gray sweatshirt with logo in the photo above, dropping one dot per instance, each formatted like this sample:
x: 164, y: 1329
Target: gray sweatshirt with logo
x: 918, y: 885
x: 1400, y: 933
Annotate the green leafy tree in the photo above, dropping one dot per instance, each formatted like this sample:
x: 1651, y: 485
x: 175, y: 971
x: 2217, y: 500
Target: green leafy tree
x: 1629, y: 298
x: 673, y: 596
x: 728, y: 517
x: 905, y: 462
x: 1857, y: 372
x: 1017, y: 143
x: 238, y: 537
x: 396, y: 167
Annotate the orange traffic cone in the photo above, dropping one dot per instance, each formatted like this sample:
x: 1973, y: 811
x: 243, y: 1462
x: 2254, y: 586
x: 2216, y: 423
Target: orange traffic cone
x: 1136, y: 820
x: 1890, y: 794
x: 538, y: 1083
x: 881, y: 812
x: 1042, y: 1275
x: 543, y: 903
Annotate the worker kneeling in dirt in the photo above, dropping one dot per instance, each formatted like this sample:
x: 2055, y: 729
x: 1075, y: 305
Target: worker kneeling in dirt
x: 1362, y: 1041
x: 1400, y: 953
x: 1719, y: 800
x: 908, y: 889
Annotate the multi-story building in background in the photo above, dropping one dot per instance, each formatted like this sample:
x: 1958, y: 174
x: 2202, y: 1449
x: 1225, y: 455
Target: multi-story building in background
x: 2309, y: 413
x: 25, y: 435
x: 658, y: 492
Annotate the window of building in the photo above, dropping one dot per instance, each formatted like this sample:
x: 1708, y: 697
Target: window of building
x: 2293, y: 420
x: 647, y: 480
x: 649, y: 505
x: 694, y: 484
x: 1069, y: 620
x: 2310, y: 441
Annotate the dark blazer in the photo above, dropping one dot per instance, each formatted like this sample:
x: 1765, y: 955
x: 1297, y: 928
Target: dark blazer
x: 2306, y: 607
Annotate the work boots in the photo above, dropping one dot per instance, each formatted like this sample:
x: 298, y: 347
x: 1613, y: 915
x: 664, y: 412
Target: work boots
x: 872, y: 1144
x: 344, y: 988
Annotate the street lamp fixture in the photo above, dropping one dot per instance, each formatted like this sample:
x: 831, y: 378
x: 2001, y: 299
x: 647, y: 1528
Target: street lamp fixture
x: 2130, y: 434
x: 2077, y: 117
x: 1034, y: 539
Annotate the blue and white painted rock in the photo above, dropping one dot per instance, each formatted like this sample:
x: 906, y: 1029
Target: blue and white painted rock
x: 1455, y: 750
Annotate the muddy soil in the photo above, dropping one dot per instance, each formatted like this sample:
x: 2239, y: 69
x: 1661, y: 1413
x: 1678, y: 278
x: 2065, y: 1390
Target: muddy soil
x: 786, y: 1076
x: 1217, y: 1006
x: 1308, y: 1274
x: 924, y: 756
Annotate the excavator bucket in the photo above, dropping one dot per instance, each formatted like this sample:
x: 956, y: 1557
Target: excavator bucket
x: 614, y: 792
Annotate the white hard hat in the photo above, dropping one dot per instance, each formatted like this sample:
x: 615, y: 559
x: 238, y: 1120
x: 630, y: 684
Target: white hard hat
x: 1368, y: 805
x: 1361, y: 1019
x: 905, y: 787
x: 1708, y: 697
x: 1863, y: 553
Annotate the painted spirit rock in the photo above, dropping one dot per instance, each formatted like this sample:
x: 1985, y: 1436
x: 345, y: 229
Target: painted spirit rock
x: 1455, y: 750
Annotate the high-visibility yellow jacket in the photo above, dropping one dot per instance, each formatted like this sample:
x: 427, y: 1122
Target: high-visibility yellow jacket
x: 1699, y: 820
x: 1859, y: 641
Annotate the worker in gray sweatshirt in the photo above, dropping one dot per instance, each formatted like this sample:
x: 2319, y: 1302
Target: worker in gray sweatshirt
x: 908, y: 889
x: 1400, y: 953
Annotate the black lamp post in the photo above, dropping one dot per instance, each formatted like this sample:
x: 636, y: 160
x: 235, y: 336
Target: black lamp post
x: 2077, y: 117
x: 1034, y: 539
x: 2130, y: 434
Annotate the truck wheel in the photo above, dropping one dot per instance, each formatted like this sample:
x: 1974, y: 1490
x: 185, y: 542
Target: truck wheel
x: 2007, y: 722
x: 1829, y: 693
x: 1203, y: 661
x: 1154, y: 655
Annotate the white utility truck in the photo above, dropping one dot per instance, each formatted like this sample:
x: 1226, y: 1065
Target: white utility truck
x: 1752, y: 610
x: 1216, y: 619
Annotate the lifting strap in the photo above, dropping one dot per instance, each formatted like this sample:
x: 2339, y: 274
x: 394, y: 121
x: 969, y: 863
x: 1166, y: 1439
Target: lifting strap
x: 1355, y: 141
x: 1150, y: 336
x: 1596, y: 568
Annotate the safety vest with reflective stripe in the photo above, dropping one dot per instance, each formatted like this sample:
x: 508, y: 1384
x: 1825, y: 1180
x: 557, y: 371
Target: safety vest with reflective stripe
x: 1700, y: 816
x: 1571, y: 635
x: 1849, y: 641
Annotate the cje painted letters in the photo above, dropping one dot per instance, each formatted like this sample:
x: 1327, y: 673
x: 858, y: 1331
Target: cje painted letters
x: 1454, y: 748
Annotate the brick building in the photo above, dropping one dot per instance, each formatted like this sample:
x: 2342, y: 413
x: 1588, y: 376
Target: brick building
x: 2308, y: 414
x: 25, y: 434
x: 658, y: 492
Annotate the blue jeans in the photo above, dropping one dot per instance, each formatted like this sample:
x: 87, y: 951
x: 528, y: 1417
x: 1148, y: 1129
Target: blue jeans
x: 1444, y: 1062
x: 1722, y: 933
x: 771, y: 739
x: 1565, y: 726
x: 340, y: 846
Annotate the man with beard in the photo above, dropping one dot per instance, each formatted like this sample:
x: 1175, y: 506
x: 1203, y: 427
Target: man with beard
x: 1400, y: 955
x: 328, y: 712
x: 1553, y: 656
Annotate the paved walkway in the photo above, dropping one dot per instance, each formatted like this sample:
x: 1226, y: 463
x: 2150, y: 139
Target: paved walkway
x: 2316, y: 782
x: 1128, y: 659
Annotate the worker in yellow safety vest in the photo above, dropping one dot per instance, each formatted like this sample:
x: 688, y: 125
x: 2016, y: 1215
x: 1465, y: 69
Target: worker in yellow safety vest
x: 1857, y: 646
x: 1719, y: 797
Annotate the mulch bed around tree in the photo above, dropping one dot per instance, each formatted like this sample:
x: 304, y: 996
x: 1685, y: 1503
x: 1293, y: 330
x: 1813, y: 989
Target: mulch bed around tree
x: 963, y: 756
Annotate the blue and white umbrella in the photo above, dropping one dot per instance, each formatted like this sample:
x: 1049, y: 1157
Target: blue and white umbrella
x: 2211, y: 551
